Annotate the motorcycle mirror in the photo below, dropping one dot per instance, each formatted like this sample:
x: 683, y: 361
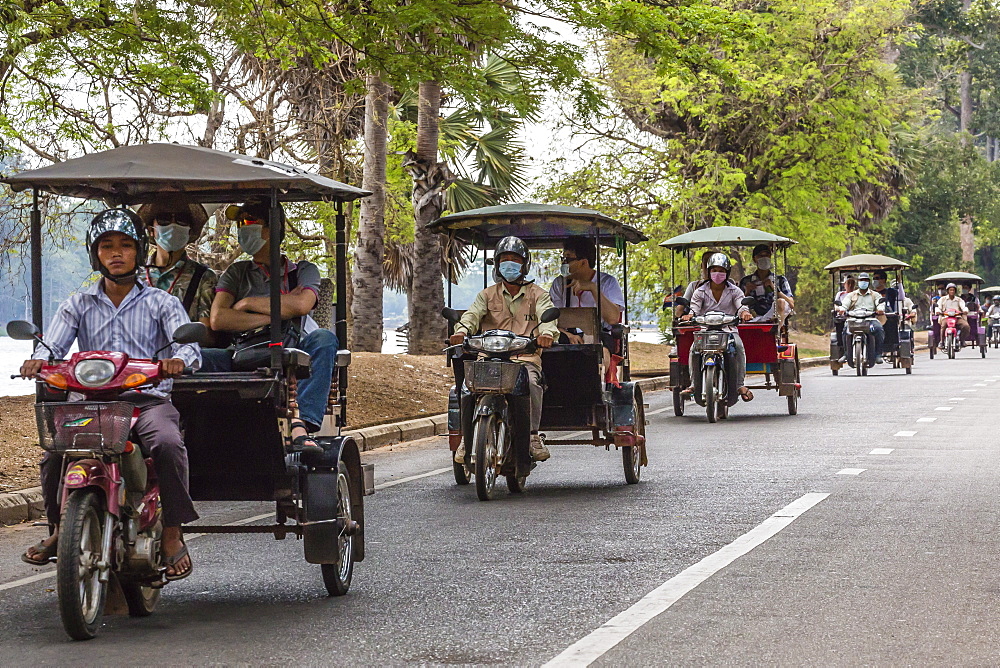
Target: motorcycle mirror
x: 191, y: 332
x: 836, y: 302
x: 21, y: 330
x: 550, y: 315
x: 451, y: 315
x: 680, y: 301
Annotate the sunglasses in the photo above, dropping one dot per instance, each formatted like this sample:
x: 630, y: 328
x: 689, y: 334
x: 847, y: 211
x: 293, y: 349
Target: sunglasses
x: 567, y: 260
x: 173, y: 220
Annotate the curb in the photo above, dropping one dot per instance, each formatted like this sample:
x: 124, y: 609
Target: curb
x: 27, y: 504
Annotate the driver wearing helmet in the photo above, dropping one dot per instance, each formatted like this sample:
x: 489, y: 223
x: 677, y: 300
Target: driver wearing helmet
x: 721, y: 295
x: 866, y: 298
x: 992, y: 312
x: 514, y: 303
x: 117, y: 313
x: 953, y: 301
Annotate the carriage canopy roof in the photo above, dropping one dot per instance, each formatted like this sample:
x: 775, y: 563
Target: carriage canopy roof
x: 538, y: 225
x: 725, y: 236
x: 866, y: 262
x: 962, y: 276
x: 990, y: 291
x: 138, y: 174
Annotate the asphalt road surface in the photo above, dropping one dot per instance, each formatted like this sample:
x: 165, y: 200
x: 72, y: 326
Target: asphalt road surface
x: 861, y: 531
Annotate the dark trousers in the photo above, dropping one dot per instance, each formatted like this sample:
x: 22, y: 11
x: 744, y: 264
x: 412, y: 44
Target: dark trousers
x: 159, y: 430
x: 876, y: 337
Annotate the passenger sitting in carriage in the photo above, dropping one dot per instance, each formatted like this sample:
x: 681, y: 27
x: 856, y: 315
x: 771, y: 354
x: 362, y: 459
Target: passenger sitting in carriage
x: 773, y: 292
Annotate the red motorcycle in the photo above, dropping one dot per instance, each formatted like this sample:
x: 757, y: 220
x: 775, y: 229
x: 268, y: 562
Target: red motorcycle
x: 948, y: 324
x: 111, y: 517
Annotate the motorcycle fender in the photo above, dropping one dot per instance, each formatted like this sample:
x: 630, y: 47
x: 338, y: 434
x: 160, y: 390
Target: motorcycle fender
x: 623, y: 405
x: 87, y: 473
x: 486, y: 405
x: 454, y: 420
x: 675, y: 373
x: 319, y: 496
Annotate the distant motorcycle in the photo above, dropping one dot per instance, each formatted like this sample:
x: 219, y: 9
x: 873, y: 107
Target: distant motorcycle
x: 859, y: 325
x: 949, y: 332
x: 111, y: 517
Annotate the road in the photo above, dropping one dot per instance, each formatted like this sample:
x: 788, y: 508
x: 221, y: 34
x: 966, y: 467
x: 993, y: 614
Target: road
x: 861, y: 531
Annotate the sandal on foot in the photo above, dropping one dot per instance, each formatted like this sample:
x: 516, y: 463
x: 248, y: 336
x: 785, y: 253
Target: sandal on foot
x: 746, y: 394
x: 44, y: 554
x: 305, y: 443
x: 688, y: 392
x: 172, y: 561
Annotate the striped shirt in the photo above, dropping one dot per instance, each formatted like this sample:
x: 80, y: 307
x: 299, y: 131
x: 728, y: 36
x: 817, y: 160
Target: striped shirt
x: 143, y: 323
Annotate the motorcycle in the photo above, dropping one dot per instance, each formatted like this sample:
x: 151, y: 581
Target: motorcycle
x: 950, y: 338
x: 995, y: 330
x: 712, y: 344
x: 498, y: 388
x: 110, y: 522
x: 859, y: 325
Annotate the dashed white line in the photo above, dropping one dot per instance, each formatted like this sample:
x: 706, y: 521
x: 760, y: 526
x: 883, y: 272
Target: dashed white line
x: 904, y: 433
x: 393, y: 483
x: 851, y: 471
x: 926, y: 419
x: 603, y: 639
x: 979, y: 385
x: 956, y: 399
x: 970, y: 390
x: 944, y: 408
x: 881, y: 451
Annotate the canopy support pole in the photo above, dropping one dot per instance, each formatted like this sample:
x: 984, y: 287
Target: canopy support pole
x: 277, y: 274
x: 36, y: 262
x: 340, y: 310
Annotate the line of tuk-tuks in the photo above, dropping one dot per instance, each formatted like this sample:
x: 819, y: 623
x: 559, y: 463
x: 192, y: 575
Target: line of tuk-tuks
x: 240, y: 449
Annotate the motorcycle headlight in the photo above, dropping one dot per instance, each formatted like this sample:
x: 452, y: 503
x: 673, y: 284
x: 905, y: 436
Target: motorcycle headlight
x: 497, y: 344
x: 94, y: 373
x: 713, y: 319
x: 474, y: 342
x: 519, y: 343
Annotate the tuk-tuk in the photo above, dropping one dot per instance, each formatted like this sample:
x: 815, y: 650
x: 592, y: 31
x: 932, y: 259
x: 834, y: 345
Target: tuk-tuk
x: 588, y: 387
x: 898, y: 344
x: 236, y: 424
x: 769, y: 353
x: 977, y: 332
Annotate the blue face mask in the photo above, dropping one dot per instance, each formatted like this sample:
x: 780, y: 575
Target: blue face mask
x: 172, y: 237
x: 510, y: 270
x: 863, y: 285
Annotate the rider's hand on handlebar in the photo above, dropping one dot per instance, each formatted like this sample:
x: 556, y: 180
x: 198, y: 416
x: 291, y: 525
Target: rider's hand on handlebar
x: 686, y: 317
x: 746, y: 316
x: 30, y: 368
x: 456, y: 338
x: 544, y: 341
x: 172, y: 368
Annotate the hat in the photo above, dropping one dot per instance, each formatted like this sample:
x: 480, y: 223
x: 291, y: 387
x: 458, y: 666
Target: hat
x: 256, y: 208
x: 760, y: 248
x: 175, y: 206
x: 864, y: 276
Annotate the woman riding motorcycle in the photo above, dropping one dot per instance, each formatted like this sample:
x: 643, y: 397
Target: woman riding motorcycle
x: 721, y: 295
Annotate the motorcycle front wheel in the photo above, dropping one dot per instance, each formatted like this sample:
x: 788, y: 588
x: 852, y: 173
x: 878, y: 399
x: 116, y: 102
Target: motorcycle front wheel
x: 78, y: 583
x: 708, y: 382
x: 485, y: 436
x: 860, y: 363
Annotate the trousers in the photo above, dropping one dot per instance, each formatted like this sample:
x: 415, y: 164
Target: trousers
x: 737, y: 360
x: 159, y: 430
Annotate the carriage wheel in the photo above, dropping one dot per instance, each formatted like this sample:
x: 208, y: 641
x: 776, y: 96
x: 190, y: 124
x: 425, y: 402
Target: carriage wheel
x: 708, y: 382
x: 632, y: 455
x: 337, y: 577
x: 462, y: 475
x: 678, y: 402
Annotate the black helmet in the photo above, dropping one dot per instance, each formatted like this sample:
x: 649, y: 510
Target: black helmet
x: 719, y: 260
x: 117, y: 220
x: 517, y: 247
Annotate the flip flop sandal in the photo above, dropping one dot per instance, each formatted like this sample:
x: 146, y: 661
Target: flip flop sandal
x: 746, y: 396
x: 44, y: 554
x: 305, y: 443
x: 172, y: 561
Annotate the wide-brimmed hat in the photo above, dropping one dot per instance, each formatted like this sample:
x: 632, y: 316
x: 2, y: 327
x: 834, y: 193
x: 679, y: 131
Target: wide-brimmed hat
x: 175, y: 206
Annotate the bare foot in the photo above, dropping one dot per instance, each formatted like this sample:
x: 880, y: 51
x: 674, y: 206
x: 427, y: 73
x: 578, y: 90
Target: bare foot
x: 173, y: 544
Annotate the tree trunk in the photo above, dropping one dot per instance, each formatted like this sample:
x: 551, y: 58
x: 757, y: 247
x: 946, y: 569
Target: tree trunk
x: 370, y: 249
x: 430, y: 178
x: 967, y: 242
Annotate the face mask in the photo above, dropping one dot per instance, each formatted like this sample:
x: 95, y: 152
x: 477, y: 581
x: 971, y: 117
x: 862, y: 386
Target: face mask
x: 879, y: 284
x: 172, y: 237
x: 510, y: 270
x: 764, y: 263
x: 564, y: 269
x: 251, y: 238
x: 863, y: 285
x: 718, y: 277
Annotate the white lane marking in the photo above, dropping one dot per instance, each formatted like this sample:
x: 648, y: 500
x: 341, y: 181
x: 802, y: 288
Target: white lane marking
x: 660, y: 410
x: 926, y: 419
x: 970, y: 390
x: 944, y: 408
x: 593, y: 646
x: 979, y: 385
x: 989, y: 380
x: 851, y: 471
x: 393, y: 483
x: 956, y: 399
x: 881, y: 451
x: 247, y: 520
x: 904, y: 433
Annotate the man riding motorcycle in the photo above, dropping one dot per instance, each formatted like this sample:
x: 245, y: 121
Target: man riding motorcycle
x: 514, y: 303
x: 993, y: 311
x: 952, y: 301
x: 120, y: 314
x: 720, y: 294
x: 866, y: 298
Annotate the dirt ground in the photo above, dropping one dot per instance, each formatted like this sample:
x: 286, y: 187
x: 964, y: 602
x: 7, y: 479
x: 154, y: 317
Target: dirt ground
x: 383, y: 388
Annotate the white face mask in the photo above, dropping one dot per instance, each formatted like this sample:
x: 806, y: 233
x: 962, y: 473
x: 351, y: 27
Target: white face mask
x: 251, y: 238
x: 564, y: 269
x: 172, y: 237
x: 764, y: 263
